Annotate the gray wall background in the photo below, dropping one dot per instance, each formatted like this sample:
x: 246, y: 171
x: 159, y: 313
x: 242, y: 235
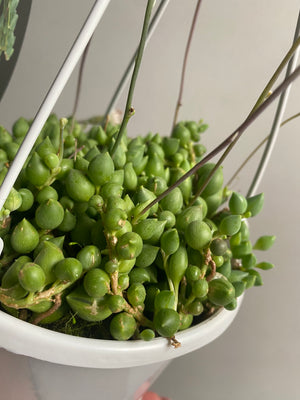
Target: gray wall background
x: 236, y: 47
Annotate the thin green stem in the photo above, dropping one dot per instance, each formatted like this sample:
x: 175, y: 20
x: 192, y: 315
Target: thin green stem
x: 264, y: 95
x: 128, y: 108
x: 275, y: 76
x: 188, y: 45
x: 277, y: 120
x: 154, y: 21
x: 189, y: 300
x: 203, y: 271
x: 247, y: 160
x: 256, y: 150
x: 231, y: 138
x: 213, y: 171
x: 62, y: 124
x: 32, y: 298
x: 290, y: 118
x: 138, y: 315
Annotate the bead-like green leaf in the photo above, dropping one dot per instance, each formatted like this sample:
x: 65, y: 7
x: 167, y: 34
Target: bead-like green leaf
x: 237, y: 275
x: 264, y: 243
x: 237, y: 203
x: 230, y: 225
x: 255, y: 204
x: 264, y: 265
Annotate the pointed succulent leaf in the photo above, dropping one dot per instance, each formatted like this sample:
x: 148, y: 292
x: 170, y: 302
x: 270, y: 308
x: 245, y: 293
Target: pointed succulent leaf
x: 255, y: 204
x: 264, y: 265
x: 264, y: 243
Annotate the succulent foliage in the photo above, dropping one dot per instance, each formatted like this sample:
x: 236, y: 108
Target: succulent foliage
x: 81, y: 257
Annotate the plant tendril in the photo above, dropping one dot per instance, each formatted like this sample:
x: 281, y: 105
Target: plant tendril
x: 256, y: 150
x: 266, y: 93
x: 79, y: 81
x: 188, y: 45
x: 41, y: 316
x: 128, y: 113
x: 231, y: 138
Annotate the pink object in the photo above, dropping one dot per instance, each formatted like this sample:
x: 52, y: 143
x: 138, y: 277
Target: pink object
x: 57, y: 361
x: 15, y: 377
x: 140, y: 392
x: 153, y: 396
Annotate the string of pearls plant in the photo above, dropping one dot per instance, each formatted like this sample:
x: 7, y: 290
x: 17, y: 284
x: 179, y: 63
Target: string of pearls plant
x: 108, y: 236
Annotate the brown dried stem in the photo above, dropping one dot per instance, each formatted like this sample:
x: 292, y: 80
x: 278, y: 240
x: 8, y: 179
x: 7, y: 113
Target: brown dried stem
x: 79, y: 81
x: 41, y: 316
x: 253, y: 152
x: 188, y: 45
x: 174, y: 342
x: 231, y: 138
x: 209, y: 261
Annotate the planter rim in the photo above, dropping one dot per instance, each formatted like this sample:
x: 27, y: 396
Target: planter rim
x: 37, y: 342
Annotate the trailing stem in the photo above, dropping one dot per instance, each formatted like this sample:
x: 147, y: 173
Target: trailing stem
x: 188, y: 45
x: 33, y: 299
x: 256, y: 150
x: 264, y: 95
x: 231, y: 138
x: 276, y: 74
x: 79, y: 81
x: 41, y: 316
x: 128, y: 113
x: 154, y: 21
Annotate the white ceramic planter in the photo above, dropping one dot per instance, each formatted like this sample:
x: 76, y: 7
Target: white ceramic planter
x: 59, y: 366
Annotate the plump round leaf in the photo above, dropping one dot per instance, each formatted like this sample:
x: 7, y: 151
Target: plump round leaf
x: 96, y: 283
x: 166, y: 322
x: 264, y: 243
x: 221, y: 292
x: 32, y: 277
x: 122, y: 326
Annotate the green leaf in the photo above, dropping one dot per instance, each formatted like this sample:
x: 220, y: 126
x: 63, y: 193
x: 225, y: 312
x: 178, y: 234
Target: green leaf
x: 237, y: 203
x: 8, y: 21
x: 264, y: 242
x: 258, y: 279
x: 264, y: 265
x: 249, y: 261
x: 255, y: 204
x: 249, y: 281
x: 237, y: 275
